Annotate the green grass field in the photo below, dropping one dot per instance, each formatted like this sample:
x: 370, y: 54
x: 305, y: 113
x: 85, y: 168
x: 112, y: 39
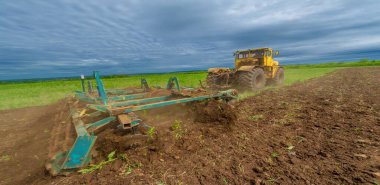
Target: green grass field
x: 25, y: 94
x: 363, y: 62
x: 17, y: 95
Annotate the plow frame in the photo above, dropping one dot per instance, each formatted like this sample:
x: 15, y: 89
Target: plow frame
x: 117, y: 104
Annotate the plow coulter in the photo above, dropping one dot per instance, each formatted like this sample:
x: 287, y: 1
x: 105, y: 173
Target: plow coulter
x: 95, y: 108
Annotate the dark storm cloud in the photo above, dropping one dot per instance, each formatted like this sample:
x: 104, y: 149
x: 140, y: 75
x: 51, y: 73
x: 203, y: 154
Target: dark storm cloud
x: 66, y: 38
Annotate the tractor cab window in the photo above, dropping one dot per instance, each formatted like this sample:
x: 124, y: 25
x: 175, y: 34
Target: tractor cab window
x: 257, y: 54
x: 242, y: 55
x: 269, y: 53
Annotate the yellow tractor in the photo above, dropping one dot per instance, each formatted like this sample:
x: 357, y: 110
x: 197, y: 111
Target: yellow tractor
x: 254, y: 68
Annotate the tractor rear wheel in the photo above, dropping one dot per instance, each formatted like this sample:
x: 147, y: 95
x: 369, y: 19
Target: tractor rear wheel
x: 250, y: 80
x: 280, y: 77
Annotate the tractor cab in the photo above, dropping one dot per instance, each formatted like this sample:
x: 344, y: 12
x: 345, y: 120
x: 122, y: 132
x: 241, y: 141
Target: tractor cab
x: 254, y: 57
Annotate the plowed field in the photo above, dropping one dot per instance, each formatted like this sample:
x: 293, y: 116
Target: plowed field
x: 322, y: 131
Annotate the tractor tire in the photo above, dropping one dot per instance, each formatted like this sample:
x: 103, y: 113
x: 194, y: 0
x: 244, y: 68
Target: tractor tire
x: 280, y: 77
x: 250, y: 80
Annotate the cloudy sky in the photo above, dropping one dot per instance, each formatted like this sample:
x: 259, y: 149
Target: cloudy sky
x: 40, y: 39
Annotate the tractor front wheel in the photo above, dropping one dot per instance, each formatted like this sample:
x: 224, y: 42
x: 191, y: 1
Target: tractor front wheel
x: 280, y: 77
x: 250, y: 80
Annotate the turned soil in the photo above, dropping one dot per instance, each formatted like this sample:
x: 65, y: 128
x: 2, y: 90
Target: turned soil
x: 322, y: 131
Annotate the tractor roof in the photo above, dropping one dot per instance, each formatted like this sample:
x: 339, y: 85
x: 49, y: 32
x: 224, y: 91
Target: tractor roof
x: 253, y: 49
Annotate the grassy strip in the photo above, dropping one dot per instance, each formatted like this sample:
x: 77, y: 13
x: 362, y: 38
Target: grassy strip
x: 17, y: 95
x: 363, y: 62
x: 32, y: 93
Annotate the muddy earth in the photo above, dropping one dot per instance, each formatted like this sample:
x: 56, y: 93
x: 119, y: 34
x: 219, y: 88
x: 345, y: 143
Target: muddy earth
x: 322, y: 131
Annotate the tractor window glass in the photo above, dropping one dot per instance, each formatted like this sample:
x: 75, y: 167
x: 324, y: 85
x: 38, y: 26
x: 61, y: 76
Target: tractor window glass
x: 245, y: 55
x: 269, y: 53
x: 257, y: 54
x: 240, y: 56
